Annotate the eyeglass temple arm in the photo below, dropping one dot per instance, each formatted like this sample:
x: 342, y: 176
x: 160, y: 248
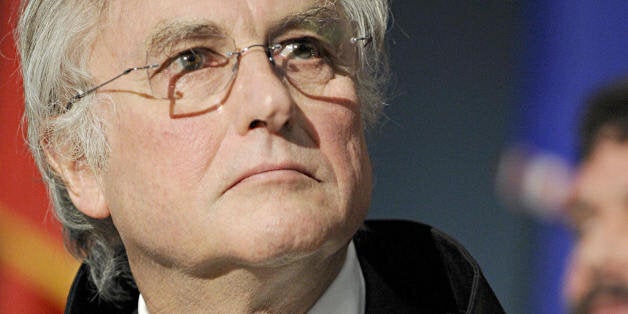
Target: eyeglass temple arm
x: 79, y: 96
x: 367, y: 40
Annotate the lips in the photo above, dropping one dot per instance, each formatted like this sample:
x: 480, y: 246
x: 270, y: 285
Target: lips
x: 264, y: 169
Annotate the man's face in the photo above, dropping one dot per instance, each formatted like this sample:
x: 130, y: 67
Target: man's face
x: 267, y: 176
x: 597, y: 281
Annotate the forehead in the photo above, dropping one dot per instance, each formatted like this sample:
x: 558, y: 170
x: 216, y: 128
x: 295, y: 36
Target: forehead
x: 235, y: 13
x: 131, y: 22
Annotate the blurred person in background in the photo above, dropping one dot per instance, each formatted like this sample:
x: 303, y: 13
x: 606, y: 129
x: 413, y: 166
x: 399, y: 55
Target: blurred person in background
x: 597, y: 207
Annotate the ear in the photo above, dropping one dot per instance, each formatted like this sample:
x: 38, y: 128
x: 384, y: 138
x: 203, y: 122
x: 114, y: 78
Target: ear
x: 82, y: 183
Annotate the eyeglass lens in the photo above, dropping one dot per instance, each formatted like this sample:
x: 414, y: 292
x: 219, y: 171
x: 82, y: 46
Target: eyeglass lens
x: 194, y: 74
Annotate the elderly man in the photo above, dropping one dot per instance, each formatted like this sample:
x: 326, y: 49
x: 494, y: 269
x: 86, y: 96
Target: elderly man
x: 597, y: 281
x: 209, y: 156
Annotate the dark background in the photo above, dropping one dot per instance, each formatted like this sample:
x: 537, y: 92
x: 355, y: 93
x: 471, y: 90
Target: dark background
x: 435, y: 154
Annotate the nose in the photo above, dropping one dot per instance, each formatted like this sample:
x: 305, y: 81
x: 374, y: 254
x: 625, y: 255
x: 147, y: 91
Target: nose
x: 261, y: 98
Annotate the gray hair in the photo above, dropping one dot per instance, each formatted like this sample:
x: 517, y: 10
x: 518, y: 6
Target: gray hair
x: 53, y: 38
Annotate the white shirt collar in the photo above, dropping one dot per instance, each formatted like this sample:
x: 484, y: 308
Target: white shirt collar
x: 346, y: 294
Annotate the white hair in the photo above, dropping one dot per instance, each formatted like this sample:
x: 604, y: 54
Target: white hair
x: 54, y: 39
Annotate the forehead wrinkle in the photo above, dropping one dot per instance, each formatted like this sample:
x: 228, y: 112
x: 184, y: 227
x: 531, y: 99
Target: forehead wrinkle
x: 323, y: 19
x: 170, y: 33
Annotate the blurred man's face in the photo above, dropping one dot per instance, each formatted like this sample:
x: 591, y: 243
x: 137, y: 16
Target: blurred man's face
x: 263, y: 175
x: 597, y: 281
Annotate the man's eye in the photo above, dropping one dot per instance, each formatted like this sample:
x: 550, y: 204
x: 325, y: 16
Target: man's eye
x: 581, y: 218
x: 301, y: 49
x: 190, y: 60
x: 195, y: 59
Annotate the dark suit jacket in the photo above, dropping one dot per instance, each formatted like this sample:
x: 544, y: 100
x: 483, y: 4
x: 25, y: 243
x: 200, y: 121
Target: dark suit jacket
x: 408, y: 267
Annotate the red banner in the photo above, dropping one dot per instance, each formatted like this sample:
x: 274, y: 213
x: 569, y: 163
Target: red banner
x: 35, y: 269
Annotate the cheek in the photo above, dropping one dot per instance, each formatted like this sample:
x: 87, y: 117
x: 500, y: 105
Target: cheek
x: 155, y: 162
x: 343, y: 128
x: 577, y: 277
x: 156, y: 167
x: 161, y: 147
x: 342, y: 142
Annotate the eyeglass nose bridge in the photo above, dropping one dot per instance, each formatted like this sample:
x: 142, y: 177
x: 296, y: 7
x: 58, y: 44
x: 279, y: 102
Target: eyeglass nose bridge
x: 268, y: 50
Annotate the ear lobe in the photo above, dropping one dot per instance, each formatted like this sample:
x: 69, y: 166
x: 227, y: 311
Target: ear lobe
x: 82, y: 184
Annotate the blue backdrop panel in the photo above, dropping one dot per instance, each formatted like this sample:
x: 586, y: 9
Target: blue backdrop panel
x: 571, y: 48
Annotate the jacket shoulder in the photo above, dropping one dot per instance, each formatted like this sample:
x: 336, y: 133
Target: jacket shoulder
x: 421, y: 267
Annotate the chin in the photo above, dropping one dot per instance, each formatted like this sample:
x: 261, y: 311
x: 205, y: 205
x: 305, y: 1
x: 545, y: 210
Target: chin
x: 286, y: 242
x: 285, y: 235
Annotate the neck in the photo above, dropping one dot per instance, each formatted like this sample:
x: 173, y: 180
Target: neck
x: 289, y: 288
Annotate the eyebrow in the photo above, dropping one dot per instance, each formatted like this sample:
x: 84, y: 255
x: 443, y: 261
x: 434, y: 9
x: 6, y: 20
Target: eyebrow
x: 324, y: 20
x: 169, y: 34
